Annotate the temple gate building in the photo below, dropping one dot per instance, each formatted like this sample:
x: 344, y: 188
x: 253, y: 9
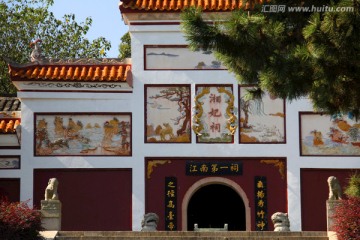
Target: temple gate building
x: 168, y: 131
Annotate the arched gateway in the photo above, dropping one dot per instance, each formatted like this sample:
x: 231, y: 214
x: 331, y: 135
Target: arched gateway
x: 213, y: 201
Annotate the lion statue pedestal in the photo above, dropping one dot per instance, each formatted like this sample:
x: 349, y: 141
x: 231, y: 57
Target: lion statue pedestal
x: 335, y: 195
x: 51, y: 207
x: 330, y: 206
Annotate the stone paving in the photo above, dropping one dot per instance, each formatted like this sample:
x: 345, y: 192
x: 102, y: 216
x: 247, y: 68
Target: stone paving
x: 185, y: 235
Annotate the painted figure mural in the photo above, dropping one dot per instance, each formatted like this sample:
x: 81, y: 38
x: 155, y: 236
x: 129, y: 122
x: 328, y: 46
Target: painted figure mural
x: 83, y: 134
x: 322, y: 134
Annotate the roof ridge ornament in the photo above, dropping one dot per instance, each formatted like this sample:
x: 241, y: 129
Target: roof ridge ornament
x: 36, y: 54
x: 86, y: 60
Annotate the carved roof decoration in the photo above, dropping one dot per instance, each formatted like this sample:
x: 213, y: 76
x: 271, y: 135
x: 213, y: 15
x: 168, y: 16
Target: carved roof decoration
x: 178, y: 5
x: 87, y: 70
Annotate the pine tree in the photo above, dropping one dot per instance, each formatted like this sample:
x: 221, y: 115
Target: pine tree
x: 313, y: 54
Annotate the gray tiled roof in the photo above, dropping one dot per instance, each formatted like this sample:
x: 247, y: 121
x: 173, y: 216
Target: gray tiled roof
x: 10, y: 104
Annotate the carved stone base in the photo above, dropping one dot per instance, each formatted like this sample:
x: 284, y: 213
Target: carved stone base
x: 51, y: 215
x: 330, y: 207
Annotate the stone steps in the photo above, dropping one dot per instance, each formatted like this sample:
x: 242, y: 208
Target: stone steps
x: 189, y: 235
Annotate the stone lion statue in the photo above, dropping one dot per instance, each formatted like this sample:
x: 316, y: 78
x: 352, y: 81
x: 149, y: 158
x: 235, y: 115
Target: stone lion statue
x: 51, y: 192
x: 149, y: 223
x: 335, y: 192
x: 281, y: 222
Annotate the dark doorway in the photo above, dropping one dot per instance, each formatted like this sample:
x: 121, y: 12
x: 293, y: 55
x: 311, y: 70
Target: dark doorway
x: 214, y: 205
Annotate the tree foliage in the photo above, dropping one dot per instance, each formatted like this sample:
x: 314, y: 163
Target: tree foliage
x: 347, y: 211
x: 125, y: 46
x: 23, y: 21
x: 347, y: 219
x: 290, y: 54
x: 353, y: 188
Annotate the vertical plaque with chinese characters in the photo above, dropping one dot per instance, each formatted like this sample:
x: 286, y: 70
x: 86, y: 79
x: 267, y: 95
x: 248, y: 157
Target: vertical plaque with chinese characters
x: 213, y: 116
x: 261, y: 223
x: 170, y: 203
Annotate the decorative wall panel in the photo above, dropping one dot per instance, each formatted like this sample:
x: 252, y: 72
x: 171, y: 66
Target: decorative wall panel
x: 167, y: 114
x: 9, y: 162
x: 178, y: 57
x: 213, y: 118
x: 322, y: 134
x: 261, y: 121
x: 91, y: 134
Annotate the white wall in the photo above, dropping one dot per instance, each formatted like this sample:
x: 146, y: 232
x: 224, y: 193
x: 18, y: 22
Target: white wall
x: 171, y: 35
x: 66, y: 102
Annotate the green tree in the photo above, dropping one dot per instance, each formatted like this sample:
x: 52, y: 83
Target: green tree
x: 125, y: 46
x: 353, y: 188
x: 291, y: 54
x: 23, y: 21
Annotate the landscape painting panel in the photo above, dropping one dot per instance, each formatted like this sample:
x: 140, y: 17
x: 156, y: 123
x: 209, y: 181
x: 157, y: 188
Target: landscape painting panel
x: 180, y: 57
x: 9, y: 162
x: 261, y: 120
x: 211, y: 119
x: 168, y: 114
x: 322, y: 134
x: 83, y: 134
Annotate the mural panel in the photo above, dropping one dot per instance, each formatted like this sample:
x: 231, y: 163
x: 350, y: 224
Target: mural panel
x: 179, y: 57
x: 261, y: 121
x: 9, y: 162
x: 76, y: 134
x: 322, y: 134
x: 168, y: 114
x: 213, y: 118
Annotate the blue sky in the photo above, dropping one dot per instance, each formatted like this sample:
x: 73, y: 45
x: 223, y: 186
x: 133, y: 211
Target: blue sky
x: 107, y: 21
